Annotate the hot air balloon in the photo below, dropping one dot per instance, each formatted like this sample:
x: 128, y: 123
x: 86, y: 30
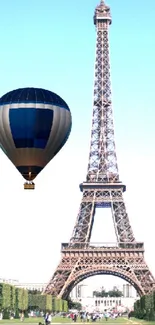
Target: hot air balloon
x: 34, y: 125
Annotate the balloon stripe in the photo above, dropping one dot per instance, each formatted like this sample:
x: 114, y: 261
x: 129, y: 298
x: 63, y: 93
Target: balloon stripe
x: 32, y: 105
x: 29, y: 104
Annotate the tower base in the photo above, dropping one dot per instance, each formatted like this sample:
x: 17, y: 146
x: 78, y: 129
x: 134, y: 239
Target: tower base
x: 82, y: 260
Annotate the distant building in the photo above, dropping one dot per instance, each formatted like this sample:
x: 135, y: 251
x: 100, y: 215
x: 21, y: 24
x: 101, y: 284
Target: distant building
x: 118, y: 303
x: 99, y: 304
x: 129, y: 291
x: 81, y: 291
x: 9, y: 281
x: 32, y: 286
x: 29, y: 286
x: 84, y: 291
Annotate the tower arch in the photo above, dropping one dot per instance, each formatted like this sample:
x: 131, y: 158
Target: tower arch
x: 86, y: 273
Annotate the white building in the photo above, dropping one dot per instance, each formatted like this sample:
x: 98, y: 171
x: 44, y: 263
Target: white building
x: 99, y: 304
x: 9, y: 281
x: 30, y: 286
x: 83, y: 293
x: 84, y: 290
x: 129, y: 291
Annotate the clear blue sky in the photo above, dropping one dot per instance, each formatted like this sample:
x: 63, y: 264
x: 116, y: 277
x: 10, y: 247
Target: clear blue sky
x: 51, y: 44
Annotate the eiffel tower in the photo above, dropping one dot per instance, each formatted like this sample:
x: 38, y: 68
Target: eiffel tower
x: 103, y: 188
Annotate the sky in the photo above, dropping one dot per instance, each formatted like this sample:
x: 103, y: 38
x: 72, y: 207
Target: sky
x: 51, y: 44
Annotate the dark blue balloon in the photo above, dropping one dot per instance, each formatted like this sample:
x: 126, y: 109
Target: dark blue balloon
x: 34, y: 125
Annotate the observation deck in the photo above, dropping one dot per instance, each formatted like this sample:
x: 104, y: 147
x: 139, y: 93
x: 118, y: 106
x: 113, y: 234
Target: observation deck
x: 102, y: 186
x: 108, y: 247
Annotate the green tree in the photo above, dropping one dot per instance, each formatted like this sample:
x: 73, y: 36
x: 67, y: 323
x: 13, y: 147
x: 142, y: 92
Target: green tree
x: 144, y: 308
x: 13, y: 298
x: 111, y: 293
x: 5, y: 299
x: 65, y: 306
x: 37, y: 302
x: 74, y: 305
x: 49, y: 303
x: 22, y: 299
x: 5, y: 296
x: 115, y: 293
x: 46, y: 303
x: 54, y: 304
x: 16, y: 304
x: 34, y: 292
x: 59, y: 304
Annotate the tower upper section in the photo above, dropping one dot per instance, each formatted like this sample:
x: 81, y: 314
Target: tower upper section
x: 102, y: 14
x: 102, y: 166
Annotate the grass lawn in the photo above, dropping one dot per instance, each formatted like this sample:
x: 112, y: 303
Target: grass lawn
x: 58, y: 320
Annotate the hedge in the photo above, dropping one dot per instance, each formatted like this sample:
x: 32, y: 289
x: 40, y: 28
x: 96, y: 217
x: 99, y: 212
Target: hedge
x: 144, y: 308
x: 5, y: 296
x: 13, y: 299
x: 13, y: 304
x: 22, y: 297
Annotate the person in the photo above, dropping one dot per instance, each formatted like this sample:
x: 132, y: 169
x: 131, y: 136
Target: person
x: 106, y: 316
x: 74, y: 317
x: 49, y: 319
x: 22, y: 317
x: 88, y: 317
x: 46, y: 319
x: 84, y: 317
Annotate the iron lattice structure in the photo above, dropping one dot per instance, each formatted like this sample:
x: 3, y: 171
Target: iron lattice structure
x: 81, y: 259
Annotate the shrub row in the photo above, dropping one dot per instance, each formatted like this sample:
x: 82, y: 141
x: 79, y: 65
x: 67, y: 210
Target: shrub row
x: 144, y: 308
x: 47, y: 303
x: 14, y: 300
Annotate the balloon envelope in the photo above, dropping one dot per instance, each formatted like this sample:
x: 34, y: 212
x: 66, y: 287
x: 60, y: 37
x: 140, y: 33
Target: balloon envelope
x: 34, y: 125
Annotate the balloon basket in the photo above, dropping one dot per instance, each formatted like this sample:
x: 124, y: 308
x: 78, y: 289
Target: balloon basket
x: 29, y: 186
